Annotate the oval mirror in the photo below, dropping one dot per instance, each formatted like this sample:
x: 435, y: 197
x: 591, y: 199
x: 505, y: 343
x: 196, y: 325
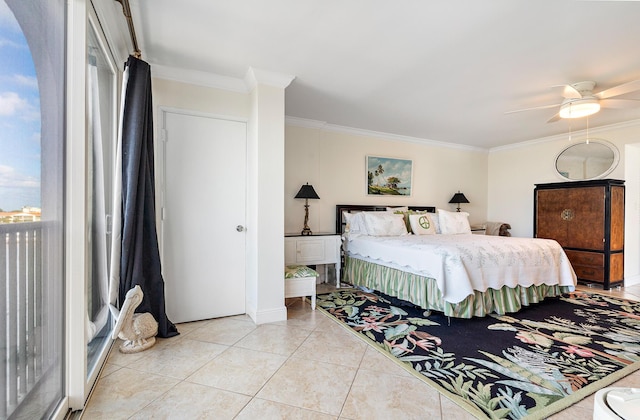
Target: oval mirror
x: 590, y: 159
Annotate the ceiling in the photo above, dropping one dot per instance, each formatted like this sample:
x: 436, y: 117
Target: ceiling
x: 444, y: 71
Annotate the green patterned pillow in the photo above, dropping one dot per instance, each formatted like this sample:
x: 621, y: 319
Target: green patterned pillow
x: 298, y: 271
x: 408, y: 213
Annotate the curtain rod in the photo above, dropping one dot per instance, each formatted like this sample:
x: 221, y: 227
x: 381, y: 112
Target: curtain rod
x: 126, y: 10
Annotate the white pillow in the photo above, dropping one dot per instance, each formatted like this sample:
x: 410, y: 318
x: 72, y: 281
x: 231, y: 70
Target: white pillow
x: 355, y: 224
x: 422, y: 224
x: 384, y: 223
x: 436, y: 221
x: 453, y: 223
x: 402, y: 209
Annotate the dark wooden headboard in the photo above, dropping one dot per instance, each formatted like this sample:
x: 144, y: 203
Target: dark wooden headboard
x: 354, y: 208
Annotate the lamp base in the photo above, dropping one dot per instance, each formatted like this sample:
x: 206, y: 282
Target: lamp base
x: 305, y: 230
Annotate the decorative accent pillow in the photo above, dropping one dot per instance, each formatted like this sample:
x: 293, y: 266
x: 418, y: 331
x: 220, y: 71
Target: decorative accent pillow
x: 453, y: 223
x: 384, y: 223
x: 406, y: 213
x: 398, y: 209
x: 422, y: 224
x: 299, y: 271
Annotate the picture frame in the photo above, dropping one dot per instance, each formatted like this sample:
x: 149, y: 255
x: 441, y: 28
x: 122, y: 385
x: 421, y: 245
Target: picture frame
x: 389, y: 176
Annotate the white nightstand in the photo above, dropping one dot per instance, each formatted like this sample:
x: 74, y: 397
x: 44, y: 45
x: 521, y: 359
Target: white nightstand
x: 312, y: 250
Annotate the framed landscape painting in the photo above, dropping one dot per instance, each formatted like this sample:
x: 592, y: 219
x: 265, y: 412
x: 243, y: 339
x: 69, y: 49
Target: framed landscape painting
x: 388, y: 176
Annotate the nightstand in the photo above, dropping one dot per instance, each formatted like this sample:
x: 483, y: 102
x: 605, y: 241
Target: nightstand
x: 313, y: 249
x: 478, y: 229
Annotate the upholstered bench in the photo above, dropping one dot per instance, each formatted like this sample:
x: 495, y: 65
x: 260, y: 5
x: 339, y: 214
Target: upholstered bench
x: 300, y: 281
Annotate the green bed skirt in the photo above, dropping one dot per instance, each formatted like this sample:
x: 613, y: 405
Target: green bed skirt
x: 424, y: 292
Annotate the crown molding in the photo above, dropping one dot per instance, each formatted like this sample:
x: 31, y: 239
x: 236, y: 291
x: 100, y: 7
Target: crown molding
x: 252, y: 78
x: 256, y: 77
x: 322, y: 125
x: 559, y: 137
x: 199, y: 78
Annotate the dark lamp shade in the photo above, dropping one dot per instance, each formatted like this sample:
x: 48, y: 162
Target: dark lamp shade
x: 307, y: 191
x: 458, y: 198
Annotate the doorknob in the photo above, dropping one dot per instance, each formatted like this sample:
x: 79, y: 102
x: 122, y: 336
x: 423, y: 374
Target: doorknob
x: 239, y: 228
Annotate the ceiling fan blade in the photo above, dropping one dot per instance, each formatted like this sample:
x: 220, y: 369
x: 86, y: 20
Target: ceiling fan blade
x: 569, y: 92
x: 619, y: 90
x: 620, y: 103
x: 554, y: 118
x: 533, y: 109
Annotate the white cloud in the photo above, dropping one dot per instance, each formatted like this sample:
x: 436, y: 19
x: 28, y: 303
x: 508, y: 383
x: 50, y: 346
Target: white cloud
x: 28, y: 81
x: 11, y: 103
x: 7, y: 43
x: 9, y: 177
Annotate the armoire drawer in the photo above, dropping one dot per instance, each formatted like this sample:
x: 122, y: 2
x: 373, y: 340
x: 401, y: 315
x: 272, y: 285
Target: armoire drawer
x: 589, y: 273
x: 594, y: 259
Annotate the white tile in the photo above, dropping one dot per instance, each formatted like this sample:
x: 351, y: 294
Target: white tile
x: 193, y: 401
x: 312, y: 385
x: 178, y: 359
x: 269, y: 410
x: 226, y: 331
x: 404, y: 397
x: 337, y: 346
x: 279, y: 339
x: 239, y: 370
x: 124, y: 393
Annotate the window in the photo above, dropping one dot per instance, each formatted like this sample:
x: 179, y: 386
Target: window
x: 32, y: 72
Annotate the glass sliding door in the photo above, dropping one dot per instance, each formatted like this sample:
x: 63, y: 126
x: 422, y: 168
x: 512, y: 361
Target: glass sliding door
x: 101, y: 128
x: 32, y: 115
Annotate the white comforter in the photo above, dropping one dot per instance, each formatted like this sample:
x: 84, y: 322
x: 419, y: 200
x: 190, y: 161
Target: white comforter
x: 461, y: 264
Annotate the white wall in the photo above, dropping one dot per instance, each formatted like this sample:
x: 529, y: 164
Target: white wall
x: 333, y: 161
x: 632, y: 214
x: 204, y: 99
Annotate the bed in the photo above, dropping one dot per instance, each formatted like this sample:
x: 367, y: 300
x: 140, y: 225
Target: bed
x: 442, y: 266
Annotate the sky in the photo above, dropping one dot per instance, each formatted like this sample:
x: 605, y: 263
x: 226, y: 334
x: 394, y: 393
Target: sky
x: 19, y: 118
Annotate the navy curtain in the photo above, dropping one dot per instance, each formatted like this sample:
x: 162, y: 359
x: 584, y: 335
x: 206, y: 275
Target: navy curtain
x: 140, y: 258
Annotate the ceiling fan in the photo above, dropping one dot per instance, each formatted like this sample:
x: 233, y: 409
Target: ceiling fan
x: 580, y: 101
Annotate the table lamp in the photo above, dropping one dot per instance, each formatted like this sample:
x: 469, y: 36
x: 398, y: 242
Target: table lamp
x: 306, y: 192
x: 458, y: 198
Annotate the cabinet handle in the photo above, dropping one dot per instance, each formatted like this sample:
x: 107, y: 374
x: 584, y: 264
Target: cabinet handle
x: 567, y: 214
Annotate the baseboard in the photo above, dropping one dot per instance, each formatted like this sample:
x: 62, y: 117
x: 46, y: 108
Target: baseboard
x: 632, y: 281
x: 270, y: 315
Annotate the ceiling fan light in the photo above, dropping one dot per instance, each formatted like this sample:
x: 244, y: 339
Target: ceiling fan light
x: 580, y: 108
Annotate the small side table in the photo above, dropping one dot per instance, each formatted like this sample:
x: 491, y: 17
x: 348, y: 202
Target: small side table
x: 300, y: 281
x: 320, y: 248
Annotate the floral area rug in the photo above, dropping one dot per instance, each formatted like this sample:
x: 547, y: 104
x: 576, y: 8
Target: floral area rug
x: 525, y: 365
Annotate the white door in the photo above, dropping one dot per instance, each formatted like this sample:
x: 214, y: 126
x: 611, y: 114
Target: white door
x: 203, y: 239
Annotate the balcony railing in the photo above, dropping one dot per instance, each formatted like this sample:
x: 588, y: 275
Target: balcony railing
x: 23, y: 354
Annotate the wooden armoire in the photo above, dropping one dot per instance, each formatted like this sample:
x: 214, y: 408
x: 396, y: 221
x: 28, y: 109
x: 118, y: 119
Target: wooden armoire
x: 587, y: 220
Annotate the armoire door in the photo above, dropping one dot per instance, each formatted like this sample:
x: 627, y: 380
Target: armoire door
x: 587, y: 222
x: 572, y: 216
x: 549, y: 221
x: 203, y: 239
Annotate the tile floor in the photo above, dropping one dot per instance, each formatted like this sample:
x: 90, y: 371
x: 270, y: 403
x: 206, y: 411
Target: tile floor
x: 307, y: 367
